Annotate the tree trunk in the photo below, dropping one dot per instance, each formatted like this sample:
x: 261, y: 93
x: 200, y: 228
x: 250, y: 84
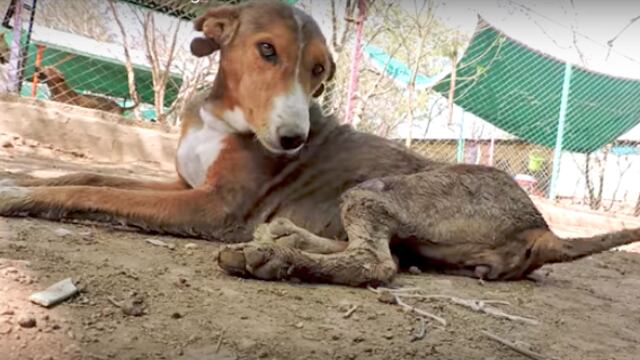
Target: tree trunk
x: 411, y: 89
x: 131, y: 79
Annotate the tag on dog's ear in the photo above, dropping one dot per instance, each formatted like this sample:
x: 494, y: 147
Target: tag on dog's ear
x: 202, y: 46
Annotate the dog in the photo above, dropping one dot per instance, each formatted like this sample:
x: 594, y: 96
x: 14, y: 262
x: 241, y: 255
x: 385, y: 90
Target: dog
x: 295, y: 194
x: 62, y: 92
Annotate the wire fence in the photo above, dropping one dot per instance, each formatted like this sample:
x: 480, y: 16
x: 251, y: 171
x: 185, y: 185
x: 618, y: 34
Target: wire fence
x: 561, y: 131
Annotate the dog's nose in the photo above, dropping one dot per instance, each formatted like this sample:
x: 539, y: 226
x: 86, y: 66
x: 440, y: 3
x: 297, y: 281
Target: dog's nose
x: 290, y: 140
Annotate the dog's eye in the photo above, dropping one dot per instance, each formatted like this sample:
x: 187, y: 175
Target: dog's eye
x: 268, y: 52
x: 317, y: 70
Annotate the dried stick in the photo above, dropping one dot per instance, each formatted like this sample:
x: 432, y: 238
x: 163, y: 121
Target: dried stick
x: 515, y: 347
x: 350, y: 312
x: 419, y: 311
x: 479, y: 306
x: 219, y: 344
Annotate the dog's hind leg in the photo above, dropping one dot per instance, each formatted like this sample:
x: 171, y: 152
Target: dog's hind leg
x: 190, y: 212
x: 93, y: 179
x: 367, y: 259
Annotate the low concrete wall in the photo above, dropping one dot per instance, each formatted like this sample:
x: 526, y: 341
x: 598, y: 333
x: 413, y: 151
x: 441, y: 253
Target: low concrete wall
x: 106, y: 137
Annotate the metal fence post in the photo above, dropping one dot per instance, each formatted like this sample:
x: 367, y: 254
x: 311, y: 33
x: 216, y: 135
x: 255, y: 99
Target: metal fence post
x: 566, y: 84
x: 460, y: 146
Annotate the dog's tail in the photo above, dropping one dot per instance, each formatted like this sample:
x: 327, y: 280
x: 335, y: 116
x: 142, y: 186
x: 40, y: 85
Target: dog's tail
x: 549, y: 248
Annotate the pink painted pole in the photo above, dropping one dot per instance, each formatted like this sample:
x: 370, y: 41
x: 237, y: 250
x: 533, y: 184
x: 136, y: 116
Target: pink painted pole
x: 355, y: 63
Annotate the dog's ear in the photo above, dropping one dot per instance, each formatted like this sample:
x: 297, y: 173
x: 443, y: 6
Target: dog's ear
x: 332, y: 72
x: 219, y: 26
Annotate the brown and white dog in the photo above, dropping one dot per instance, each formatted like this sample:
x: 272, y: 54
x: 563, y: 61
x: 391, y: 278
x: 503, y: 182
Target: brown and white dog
x: 322, y: 201
x: 62, y: 92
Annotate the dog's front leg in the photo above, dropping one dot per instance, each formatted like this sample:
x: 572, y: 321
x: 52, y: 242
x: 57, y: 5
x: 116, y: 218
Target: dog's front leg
x: 183, y: 212
x: 93, y: 179
x: 366, y: 260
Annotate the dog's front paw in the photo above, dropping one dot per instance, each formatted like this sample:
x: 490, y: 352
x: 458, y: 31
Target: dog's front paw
x: 13, y: 200
x: 7, y: 183
x: 260, y: 260
x: 280, y: 231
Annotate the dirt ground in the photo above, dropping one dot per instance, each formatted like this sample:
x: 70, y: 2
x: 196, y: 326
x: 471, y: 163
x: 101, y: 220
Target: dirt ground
x: 589, y: 309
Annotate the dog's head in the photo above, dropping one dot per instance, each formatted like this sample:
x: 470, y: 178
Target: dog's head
x: 273, y: 61
x: 49, y: 74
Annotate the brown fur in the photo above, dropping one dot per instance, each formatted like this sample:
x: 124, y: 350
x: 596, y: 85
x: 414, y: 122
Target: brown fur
x: 62, y: 92
x: 338, y: 211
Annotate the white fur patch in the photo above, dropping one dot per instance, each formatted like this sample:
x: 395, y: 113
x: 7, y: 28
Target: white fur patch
x: 237, y: 120
x: 10, y: 196
x: 199, y: 148
x: 290, y: 113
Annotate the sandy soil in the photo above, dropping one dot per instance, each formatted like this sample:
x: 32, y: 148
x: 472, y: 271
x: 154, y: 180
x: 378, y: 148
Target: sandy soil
x: 589, y: 309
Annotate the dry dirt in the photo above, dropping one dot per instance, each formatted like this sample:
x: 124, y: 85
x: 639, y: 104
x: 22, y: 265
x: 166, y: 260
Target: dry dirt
x: 589, y: 309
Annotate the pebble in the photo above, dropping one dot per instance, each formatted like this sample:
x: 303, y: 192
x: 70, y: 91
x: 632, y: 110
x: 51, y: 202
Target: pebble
x: 415, y: 270
x: 176, y: 315
x: 190, y: 246
x: 386, y: 297
x: 27, y: 322
x: 62, y: 232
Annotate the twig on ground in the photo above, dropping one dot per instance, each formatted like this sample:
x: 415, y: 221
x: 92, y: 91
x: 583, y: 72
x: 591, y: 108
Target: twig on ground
x: 350, y: 312
x: 483, y: 306
x: 113, y: 301
x: 419, y: 311
x: 479, y: 306
x: 219, y: 344
x: 515, y: 347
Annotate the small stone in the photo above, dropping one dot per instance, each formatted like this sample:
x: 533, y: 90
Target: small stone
x: 176, y: 315
x: 415, y: 270
x: 157, y: 242
x: 190, y: 246
x: 7, y: 144
x: 133, y: 308
x: 62, y: 232
x: 299, y: 325
x: 386, y: 297
x: 388, y: 336
x: 27, y: 322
